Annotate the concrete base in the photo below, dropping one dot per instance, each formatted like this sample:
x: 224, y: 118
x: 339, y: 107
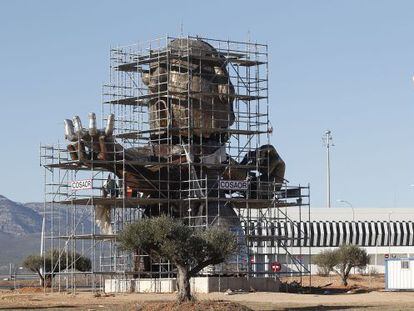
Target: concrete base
x: 198, y: 285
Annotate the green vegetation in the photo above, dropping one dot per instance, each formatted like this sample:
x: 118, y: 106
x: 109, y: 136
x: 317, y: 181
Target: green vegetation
x: 342, y: 260
x: 326, y: 261
x: 189, y: 249
x: 54, y: 261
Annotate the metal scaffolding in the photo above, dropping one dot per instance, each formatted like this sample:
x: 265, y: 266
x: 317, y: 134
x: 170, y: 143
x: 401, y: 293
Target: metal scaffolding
x: 203, y: 148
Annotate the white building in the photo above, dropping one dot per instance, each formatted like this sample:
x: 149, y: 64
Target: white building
x: 384, y: 233
x: 399, y: 274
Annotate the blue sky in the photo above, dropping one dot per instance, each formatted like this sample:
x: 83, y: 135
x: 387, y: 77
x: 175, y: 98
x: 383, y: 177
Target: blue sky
x: 342, y: 65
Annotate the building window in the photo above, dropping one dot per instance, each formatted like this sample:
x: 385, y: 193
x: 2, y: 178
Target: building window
x: 405, y: 264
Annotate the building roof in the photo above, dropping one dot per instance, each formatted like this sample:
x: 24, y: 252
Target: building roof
x: 353, y: 214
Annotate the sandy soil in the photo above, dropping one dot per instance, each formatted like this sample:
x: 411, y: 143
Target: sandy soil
x: 256, y: 301
x: 369, y: 282
x: 34, y: 298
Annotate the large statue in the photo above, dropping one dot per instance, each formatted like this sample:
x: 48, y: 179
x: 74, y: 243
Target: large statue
x: 189, y: 115
x: 207, y: 92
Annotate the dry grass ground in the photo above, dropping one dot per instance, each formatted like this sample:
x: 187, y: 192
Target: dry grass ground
x: 376, y: 299
x: 368, y: 282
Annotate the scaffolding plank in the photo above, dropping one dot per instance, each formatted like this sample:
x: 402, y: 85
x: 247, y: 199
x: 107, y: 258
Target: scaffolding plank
x: 260, y: 204
x: 90, y: 236
x: 131, y: 135
x: 236, y: 131
x: 128, y: 67
x: 78, y: 165
x: 142, y: 100
x: 74, y: 166
x: 230, y: 131
x: 247, y: 62
x: 116, y: 202
x: 128, y: 101
x: 134, y: 202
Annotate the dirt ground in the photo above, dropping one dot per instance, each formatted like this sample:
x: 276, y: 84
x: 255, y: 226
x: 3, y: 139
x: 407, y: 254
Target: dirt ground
x: 369, y: 282
x: 371, y: 298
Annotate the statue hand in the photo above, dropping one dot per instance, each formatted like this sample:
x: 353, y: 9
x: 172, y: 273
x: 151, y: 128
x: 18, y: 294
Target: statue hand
x: 91, y: 143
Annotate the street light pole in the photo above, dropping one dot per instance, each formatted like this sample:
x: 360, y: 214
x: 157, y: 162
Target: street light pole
x: 389, y: 234
x: 327, y: 140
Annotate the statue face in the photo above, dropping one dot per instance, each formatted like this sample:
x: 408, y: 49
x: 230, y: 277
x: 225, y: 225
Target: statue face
x: 194, y: 89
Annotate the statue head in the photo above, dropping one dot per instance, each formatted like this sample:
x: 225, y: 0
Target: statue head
x: 191, y: 86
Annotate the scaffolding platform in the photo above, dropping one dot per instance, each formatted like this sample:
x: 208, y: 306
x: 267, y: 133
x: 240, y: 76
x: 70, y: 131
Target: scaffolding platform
x: 166, y: 56
x: 138, y: 202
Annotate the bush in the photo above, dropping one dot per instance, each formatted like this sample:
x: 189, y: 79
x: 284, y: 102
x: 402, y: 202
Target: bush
x: 322, y: 272
x: 325, y: 261
x: 373, y: 271
x: 50, y: 263
x: 342, y: 260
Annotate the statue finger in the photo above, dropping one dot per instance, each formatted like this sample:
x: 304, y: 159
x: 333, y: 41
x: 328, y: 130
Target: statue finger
x: 69, y: 130
x: 110, y: 124
x: 93, y: 131
x: 79, y: 131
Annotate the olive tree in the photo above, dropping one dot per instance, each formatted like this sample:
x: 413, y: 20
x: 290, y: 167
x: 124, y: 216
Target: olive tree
x: 348, y: 257
x: 189, y: 249
x: 326, y: 261
x: 54, y: 261
x: 342, y: 260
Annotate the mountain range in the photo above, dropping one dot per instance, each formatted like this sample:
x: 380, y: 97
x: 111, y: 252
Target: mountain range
x: 19, y: 219
x: 20, y: 229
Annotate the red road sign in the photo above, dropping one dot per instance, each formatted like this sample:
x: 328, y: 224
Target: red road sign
x: 276, y: 266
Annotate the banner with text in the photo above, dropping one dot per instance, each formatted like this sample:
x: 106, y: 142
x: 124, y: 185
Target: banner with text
x: 234, y: 184
x: 81, y: 184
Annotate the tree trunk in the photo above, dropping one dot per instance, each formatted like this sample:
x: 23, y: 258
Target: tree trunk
x: 48, y: 280
x: 42, y: 279
x: 344, y: 280
x: 42, y: 282
x: 183, y: 284
x: 137, y: 264
x: 345, y: 274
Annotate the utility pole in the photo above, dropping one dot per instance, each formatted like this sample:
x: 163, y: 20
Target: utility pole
x: 327, y: 141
